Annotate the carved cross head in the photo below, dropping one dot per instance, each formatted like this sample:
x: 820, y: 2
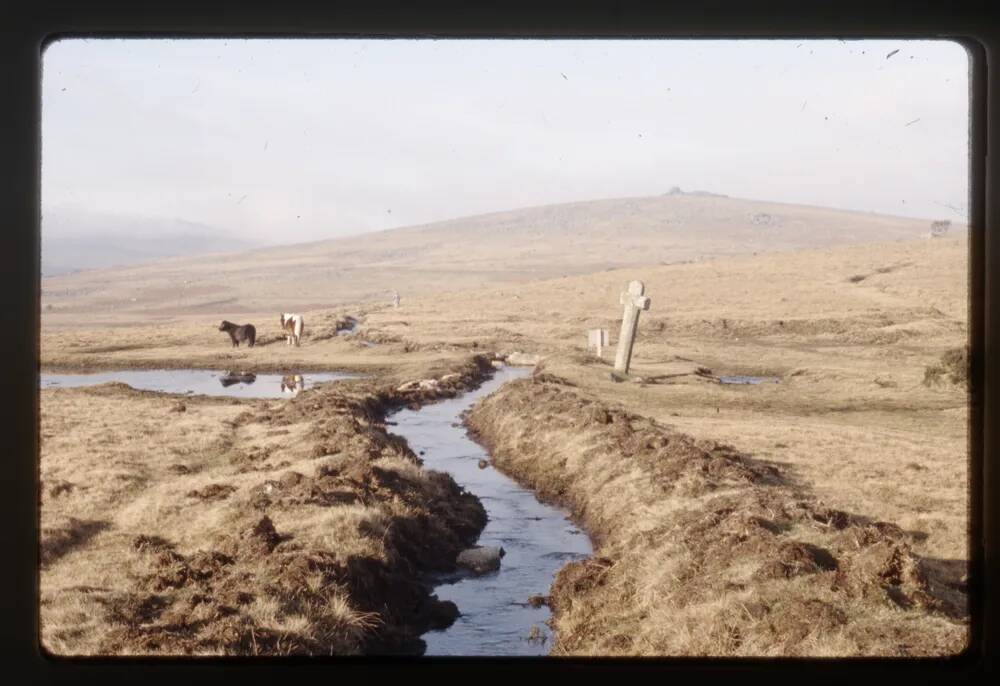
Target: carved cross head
x: 634, y: 296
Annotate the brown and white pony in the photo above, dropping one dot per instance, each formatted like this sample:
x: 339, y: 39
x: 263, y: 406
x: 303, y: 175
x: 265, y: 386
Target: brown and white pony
x: 292, y: 325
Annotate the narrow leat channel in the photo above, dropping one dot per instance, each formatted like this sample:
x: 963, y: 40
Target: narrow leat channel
x: 496, y: 617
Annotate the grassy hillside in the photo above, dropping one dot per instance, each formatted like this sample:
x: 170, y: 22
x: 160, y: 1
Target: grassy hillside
x: 458, y: 255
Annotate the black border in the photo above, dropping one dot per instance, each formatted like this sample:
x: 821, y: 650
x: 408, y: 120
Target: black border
x: 22, y: 41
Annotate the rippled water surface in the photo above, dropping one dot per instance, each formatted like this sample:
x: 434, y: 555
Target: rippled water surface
x: 538, y: 539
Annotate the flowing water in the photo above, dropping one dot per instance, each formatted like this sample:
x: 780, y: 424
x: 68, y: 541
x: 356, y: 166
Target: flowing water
x: 201, y: 381
x: 496, y: 618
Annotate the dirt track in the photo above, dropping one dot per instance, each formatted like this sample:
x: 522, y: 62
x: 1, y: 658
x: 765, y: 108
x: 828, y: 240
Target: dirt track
x: 207, y: 526
x: 703, y: 550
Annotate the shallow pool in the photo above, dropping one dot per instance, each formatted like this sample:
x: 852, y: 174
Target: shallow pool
x: 201, y: 381
x: 752, y: 380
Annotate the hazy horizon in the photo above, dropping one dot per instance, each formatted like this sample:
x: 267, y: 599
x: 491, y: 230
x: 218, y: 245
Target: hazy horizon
x: 289, y: 141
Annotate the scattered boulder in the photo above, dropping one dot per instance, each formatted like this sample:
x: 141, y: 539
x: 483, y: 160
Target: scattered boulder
x: 497, y: 364
x: 519, y: 359
x: 481, y: 559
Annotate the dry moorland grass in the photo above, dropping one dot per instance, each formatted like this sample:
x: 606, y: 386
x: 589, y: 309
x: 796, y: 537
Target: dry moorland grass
x: 465, y: 254
x: 852, y: 428
x: 196, y: 342
x: 703, y: 550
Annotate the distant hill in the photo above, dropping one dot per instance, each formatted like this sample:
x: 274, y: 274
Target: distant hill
x: 73, y: 242
x: 471, y: 252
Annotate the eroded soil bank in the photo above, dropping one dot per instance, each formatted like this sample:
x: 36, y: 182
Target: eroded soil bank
x: 704, y: 550
x: 180, y: 525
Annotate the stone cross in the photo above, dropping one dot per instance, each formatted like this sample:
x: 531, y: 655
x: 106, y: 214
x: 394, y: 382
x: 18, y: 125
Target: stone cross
x: 634, y: 301
x: 597, y: 338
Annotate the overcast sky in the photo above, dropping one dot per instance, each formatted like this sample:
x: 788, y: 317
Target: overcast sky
x: 294, y: 140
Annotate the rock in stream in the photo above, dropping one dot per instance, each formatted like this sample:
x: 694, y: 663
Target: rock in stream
x: 481, y: 559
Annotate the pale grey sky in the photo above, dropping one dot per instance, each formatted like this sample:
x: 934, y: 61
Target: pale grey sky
x: 294, y: 140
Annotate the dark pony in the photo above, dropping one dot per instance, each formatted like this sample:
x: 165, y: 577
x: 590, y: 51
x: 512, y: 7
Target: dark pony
x: 238, y: 333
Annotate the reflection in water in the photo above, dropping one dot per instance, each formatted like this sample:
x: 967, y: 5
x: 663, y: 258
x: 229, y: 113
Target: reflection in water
x: 292, y: 383
x: 231, y: 378
x: 230, y: 383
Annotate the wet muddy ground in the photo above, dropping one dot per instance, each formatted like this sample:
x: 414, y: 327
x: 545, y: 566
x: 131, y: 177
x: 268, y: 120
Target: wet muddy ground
x: 496, y: 616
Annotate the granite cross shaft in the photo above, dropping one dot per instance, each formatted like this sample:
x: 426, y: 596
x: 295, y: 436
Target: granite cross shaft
x: 634, y: 301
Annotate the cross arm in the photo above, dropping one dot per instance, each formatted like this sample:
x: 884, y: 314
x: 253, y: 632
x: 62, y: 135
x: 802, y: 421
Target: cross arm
x: 640, y: 301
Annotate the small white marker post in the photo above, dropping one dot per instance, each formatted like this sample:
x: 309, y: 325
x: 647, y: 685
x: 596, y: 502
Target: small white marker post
x: 395, y: 299
x: 634, y: 301
x: 597, y: 338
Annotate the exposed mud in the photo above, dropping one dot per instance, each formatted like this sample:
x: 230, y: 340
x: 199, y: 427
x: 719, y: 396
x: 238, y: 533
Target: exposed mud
x: 732, y: 558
